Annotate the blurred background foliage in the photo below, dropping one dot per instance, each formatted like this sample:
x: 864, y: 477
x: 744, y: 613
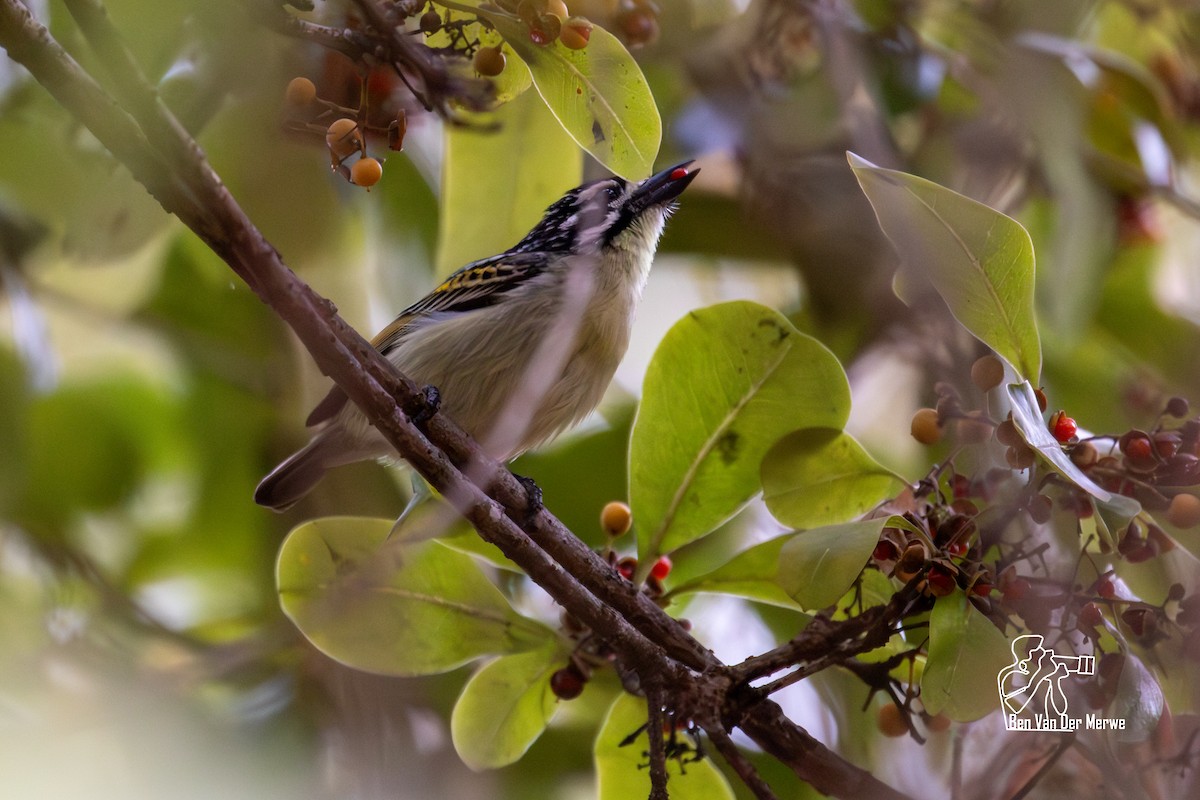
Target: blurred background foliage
x: 143, y: 390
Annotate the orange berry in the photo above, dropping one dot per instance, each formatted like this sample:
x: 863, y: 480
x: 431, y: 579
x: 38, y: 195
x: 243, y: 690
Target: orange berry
x: 616, y: 519
x: 924, y: 426
x: 300, y: 92
x: 987, y: 373
x: 891, y: 720
x: 1184, y: 511
x: 343, y: 137
x: 366, y: 172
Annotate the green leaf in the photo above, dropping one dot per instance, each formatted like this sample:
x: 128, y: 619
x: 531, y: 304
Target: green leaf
x: 621, y: 771
x: 504, y: 708
x: 725, y: 384
x: 496, y: 183
x: 818, y: 566
x: 819, y: 476
x: 1027, y: 417
x: 598, y: 94
x: 966, y: 654
x: 400, y: 609
x: 751, y: 574
x: 979, y: 260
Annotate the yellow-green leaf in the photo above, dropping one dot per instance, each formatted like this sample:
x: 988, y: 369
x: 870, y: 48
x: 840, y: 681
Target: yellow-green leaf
x: 966, y: 654
x: 725, y: 384
x: 979, y: 260
x: 598, y: 94
x: 504, y: 708
x: 404, y: 609
x: 621, y: 770
x: 820, y: 476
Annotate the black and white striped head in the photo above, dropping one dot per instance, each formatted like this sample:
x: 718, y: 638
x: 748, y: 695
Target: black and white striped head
x: 609, y: 213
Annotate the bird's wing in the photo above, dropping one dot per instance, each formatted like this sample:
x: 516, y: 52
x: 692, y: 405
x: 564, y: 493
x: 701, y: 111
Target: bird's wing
x: 477, y: 285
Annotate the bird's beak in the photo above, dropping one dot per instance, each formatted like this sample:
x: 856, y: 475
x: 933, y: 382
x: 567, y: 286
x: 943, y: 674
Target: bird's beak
x: 664, y: 186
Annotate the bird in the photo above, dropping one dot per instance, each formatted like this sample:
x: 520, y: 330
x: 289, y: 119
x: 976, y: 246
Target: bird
x: 519, y: 346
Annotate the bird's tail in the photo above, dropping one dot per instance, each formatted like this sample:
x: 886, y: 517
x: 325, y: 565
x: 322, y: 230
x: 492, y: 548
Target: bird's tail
x: 285, y: 485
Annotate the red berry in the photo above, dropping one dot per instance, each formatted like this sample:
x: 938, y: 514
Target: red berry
x: 1063, y: 427
x: 661, y: 568
x: 678, y: 172
x: 1106, y: 588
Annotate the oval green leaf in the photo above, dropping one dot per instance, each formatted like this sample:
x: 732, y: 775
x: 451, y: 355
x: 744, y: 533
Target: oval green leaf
x: 598, y: 94
x: 979, y: 260
x: 621, y: 770
x: 725, y: 384
x: 818, y: 566
x: 966, y: 654
x: 821, y: 476
x: 1027, y: 417
x: 496, y: 183
x: 504, y: 708
x: 400, y: 609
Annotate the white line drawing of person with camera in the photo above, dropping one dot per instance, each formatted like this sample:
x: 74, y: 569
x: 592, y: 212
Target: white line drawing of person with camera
x: 1039, y: 673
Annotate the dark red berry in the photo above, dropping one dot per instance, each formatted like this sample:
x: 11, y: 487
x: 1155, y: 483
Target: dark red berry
x: 1015, y: 590
x: 678, y: 172
x: 626, y: 567
x: 1106, y: 588
x: 567, y: 683
x: 886, y: 550
x: 941, y: 582
x: 1091, y: 615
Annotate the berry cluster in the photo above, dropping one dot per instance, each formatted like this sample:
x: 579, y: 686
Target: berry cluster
x: 344, y: 136
x: 590, y: 652
x: 988, y: 534
x: 547, y: 21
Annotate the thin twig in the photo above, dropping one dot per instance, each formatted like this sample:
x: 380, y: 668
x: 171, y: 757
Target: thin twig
x: 654, y: 734
x: 741, y: 765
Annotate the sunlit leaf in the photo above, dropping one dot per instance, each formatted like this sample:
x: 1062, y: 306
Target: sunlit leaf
x: 966, y: 654
x: 1027, y: 417
x: 621, y: 771
x: 979, y: 260
x: 819, y: 476
x: 818, y: 566
x: 598, y: 94
x: 404, y: 609
x: 496, y: 183
x: 504, y: 708
x: 725, y: 384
